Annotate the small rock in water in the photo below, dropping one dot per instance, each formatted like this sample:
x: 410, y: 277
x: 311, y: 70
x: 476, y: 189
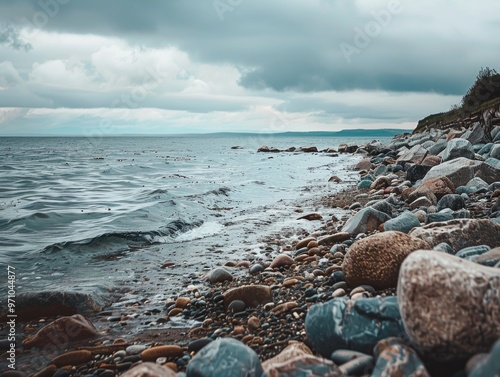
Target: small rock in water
x: 225, y: 357
x: 311, y: 217
x: 219, y: 275
x: 73, y: 328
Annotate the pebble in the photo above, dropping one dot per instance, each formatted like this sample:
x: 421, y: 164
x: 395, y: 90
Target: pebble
x: 154, y: 353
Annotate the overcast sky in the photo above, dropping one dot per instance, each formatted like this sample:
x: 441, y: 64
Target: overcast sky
x: 83, y: 67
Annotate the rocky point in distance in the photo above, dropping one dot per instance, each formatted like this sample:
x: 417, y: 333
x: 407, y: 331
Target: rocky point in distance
x: 407, y: 283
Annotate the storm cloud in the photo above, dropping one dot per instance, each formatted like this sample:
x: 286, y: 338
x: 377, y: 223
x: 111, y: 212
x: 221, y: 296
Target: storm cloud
x: 237, y: 55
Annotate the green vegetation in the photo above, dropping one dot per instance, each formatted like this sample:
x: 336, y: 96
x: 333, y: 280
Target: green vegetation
x: 484, y: 93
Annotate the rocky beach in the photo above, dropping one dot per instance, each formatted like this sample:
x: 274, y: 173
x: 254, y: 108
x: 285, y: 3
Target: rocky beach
x: 405, y: 283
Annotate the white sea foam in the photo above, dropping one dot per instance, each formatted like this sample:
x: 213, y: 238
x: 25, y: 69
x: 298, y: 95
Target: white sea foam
x: 207, y: 229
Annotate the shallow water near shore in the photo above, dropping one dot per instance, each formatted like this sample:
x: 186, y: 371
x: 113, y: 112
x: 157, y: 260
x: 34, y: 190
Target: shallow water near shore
x: 97, y: 215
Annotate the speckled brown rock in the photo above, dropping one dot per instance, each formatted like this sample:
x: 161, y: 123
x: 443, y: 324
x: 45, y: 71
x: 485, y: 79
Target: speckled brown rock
x: 293, y: 350
x: 64, y: 329
x: 376, y: 260
x: 283, y: 308
x: 460, y: 233
x: 439, y: 186
x: 149, y: 370
x: 251, y: 295
x: 450, y: 307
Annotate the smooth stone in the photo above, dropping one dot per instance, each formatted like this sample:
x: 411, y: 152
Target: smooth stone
x: 74, y: 328
x: 380, y: 170
x: 236, y: 306
x: 251, y: 295
x: 451, y: 201
x: 366, y: 220
x: 422, y: 202
x: 35, y: 305
x: 438, y: 217
x: 489, y: 258
x: 461, y: 170
x: 282, y: 260
x: 283, y: 308
x: 311, y: 217
x: 358, y: 367
x: 416, y: 154
x: 151, y: 354
x: 253, y: 323
x: 291, y: 351
x: 444, y: 248
x: 460, y: 233
x: 438, y: 147
x: 382, y: 206
x: 182, y: 302
x: 149, y: 370
x: 256, y: 268
x: 477, y: 182
x: 304, y: 242
x: 343, y: 356
x: 449, y: 305
x: 380, y: 183
x: 431, y: 161
x: 458, y: 148
x: 219, y: 275
x: 403, y: 223
x: 375, y: 260
x: 135, y: 349
x: 489, y: 365
x: 364, y: 164
x: 304, y: 365
x: 356, y: 325
x: 72, y: 358
x: 198, y: 344
x: 395, y: 358
x: 472, y: 251
x: 225, y: 357
x: 417, y: 172
x: 333, y: 238
x: 364, y: 184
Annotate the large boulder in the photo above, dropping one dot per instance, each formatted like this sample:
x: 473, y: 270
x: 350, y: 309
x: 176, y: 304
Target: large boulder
x: 460, y: 233
x: 225, y: 357
x: 375, y: 260
x: 353, y: 324
x: 450, y: 307
x: 461, y: 170
x: 458, y: 148
x: 35, y: 305
x: 366, y: 220
x: 63, y: 330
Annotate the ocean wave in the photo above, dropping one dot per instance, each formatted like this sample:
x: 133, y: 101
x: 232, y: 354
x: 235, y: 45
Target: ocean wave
x: 124, y: 241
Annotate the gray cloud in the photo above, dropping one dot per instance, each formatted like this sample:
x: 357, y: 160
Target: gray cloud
x: 9, y: 36
x: 286, y: 45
